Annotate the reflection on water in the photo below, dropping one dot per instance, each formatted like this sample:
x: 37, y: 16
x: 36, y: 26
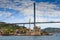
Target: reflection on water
x: 30, y: 37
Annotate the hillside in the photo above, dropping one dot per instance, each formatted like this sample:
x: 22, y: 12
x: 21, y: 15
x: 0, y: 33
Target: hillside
x: 52, y: 30
x: 7, y: 29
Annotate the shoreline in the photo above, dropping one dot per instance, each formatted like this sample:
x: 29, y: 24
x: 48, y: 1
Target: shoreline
x: 26, y: 35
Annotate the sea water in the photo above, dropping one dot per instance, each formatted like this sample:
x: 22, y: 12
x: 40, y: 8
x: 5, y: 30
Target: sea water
x: 52, y: 37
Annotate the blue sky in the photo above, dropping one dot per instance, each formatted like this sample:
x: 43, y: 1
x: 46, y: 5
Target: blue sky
x: 17, y: 11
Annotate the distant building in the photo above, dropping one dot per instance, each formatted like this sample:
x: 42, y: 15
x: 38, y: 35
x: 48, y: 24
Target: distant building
x: 36, y: 31
x: 0, y: 33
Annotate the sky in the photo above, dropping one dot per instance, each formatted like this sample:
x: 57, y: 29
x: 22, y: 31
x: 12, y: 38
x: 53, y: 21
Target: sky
x: 20, y: 11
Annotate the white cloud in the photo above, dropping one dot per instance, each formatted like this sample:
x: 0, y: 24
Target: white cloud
x: 47, y: 9
x: 50, y: 25
x: 4, y: 15
x: 27, y: 4
x: 26, y: 8
x: 1, y: 14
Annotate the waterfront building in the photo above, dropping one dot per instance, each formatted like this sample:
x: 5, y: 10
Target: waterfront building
x: 36, y: 31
